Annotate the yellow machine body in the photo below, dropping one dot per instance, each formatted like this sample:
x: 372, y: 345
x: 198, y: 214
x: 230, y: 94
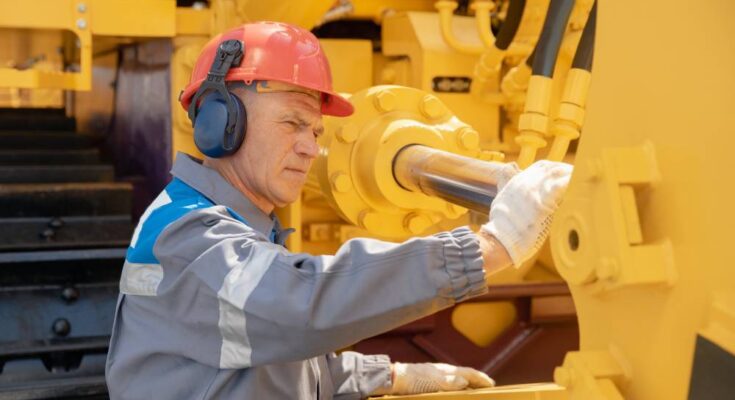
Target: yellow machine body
x: 639, y: 238
x: 648, y: 206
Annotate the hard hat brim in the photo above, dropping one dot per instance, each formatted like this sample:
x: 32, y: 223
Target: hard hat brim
x: 332, y: 103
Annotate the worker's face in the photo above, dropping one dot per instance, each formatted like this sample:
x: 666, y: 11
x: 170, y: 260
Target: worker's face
x: 280, y: 145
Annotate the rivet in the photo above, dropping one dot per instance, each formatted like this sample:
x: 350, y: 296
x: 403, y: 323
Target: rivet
x: 432, y: 107
x: 341, y: 182
x: 385, y: 101
x: 468, y: 138
x: 70, y: 294
x: 81, y: 23
x: 81, y: 7
x: 347, y: 133
x: 61, y: 327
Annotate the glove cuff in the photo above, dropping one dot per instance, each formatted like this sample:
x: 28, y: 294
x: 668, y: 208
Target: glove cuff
x: 503, y: 231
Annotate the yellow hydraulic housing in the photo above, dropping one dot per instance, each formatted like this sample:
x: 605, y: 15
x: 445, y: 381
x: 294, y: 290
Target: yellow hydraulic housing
x: 386, y: 121
x: 641, y: 235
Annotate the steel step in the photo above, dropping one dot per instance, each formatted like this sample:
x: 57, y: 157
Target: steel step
x: 28, y: 349
x: 29, y: 119
x: 67, y: 232
x: 46, y: 157
x: 56, y: 173
x: 87, y: 388
x: 59, y: 267
x: 64, y: 199
x: 46, y: 140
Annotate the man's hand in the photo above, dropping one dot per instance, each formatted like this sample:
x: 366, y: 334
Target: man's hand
x: 427, y: 378
x: 520, y: 215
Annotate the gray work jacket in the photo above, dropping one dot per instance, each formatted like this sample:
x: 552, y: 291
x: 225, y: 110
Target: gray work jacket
x: 212, y: 306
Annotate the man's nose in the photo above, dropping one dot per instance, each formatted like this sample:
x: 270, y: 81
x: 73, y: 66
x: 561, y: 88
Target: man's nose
x: 307, y: 148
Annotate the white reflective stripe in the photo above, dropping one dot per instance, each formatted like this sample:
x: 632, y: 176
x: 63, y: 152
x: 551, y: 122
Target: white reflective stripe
x: 239, y: 283
x: 161, y: 200
x: 140, y: 279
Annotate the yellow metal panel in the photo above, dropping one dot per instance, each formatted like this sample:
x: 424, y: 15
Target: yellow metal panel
x: 182, y: 63
x: 145, y: 18
x: 536, y: 391
x: 306, y: 14
x: 37, y: 14
x: 377, y: 9
x: 191, y: 21
x: 495, y: 316
x: 416, y: 35
x: 720, y: 326
x: 645, y: 94
x: 351, y: 62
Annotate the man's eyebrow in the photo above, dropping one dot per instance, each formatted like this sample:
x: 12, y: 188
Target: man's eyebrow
x: 295, y: 116
x: 290, y: 115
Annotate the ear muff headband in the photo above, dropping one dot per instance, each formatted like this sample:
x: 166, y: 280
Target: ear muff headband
x: 229, y: 54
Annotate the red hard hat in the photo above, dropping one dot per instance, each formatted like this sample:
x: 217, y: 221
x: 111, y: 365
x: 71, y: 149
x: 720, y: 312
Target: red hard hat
x: 274, y: 51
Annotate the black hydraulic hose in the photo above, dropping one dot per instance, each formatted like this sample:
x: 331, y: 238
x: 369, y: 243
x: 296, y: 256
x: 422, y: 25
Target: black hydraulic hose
x: 510, y: 26
x: 547, y: 48
x: 586, y: 47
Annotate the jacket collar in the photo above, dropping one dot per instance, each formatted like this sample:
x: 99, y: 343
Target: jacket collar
x: 213, y: 186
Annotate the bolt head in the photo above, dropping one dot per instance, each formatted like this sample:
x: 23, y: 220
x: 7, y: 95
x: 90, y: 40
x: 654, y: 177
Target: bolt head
x: 347, y: 133
x: 47, y: 234
x: 341, y: 182
x: 385, y: 101
x: 61, y: 327
x: 70, y: 294
x: 369, y: 220
x: 81, y: 7
x: 81, y: 23
x: 468, y: 138
x: 417, y: 223
x: 432, y: 107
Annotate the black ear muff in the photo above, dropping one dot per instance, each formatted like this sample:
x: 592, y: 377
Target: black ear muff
x: 218, y: 116
x: 211, y: 134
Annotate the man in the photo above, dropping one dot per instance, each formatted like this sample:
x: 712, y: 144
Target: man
x: 212, y: 306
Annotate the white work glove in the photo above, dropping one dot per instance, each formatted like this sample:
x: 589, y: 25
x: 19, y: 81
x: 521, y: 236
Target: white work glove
x: 521, y: 214
x: 427, y: 378
x: 504, y: 173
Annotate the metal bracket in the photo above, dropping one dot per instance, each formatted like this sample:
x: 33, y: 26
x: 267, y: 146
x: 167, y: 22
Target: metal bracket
x: 597, y: 236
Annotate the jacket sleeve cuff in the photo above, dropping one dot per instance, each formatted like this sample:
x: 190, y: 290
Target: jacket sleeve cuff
x: 375, y: 375
x: 463, y: 261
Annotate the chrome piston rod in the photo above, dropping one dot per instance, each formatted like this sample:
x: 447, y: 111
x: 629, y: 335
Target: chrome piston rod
x: 460, y: 180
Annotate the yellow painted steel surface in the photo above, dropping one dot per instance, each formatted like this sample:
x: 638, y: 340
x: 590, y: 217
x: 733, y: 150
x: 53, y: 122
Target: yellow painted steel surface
x: 302, y: 13
x: 642, y: 232
x: 358, y: 154
x: 83, y: 18
x: 539, y: 391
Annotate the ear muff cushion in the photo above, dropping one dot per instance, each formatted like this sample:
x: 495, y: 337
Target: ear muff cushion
x: 211, y: 123
x: 234, y: 141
